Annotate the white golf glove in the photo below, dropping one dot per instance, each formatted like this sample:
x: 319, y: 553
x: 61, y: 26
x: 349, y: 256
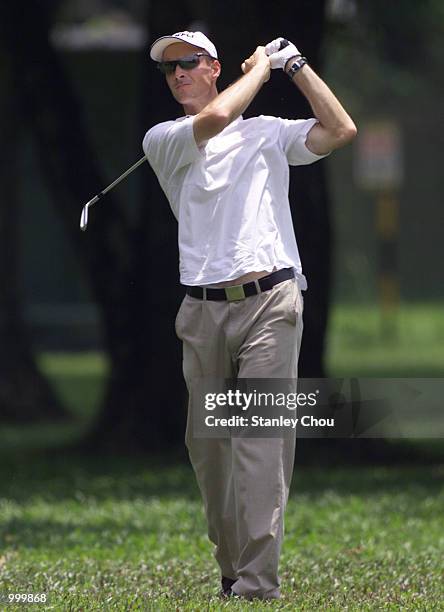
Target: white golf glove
x: 279, y: 59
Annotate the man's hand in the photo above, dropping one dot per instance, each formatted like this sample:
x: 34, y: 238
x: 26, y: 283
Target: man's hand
x: 259, y: 57
x: 279, y: 58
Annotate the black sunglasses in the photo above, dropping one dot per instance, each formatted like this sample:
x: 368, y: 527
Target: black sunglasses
x: 186, y: 63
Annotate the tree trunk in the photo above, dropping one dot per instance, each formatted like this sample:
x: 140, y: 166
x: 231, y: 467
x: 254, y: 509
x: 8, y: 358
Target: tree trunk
x: 25, y: 395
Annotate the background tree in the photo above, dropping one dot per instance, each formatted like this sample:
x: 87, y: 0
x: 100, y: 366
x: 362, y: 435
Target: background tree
x: 25, y: 394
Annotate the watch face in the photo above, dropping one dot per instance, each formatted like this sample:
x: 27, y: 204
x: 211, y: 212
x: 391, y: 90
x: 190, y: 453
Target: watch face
x: 297, y: 65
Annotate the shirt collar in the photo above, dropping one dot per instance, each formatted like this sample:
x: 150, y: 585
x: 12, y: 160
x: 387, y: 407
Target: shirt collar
x: 240, y: 118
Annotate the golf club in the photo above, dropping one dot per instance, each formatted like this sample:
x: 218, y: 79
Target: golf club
x: 96, y: 198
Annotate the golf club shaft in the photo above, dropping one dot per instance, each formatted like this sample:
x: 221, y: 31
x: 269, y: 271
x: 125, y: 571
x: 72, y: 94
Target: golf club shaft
x: 120, y: 178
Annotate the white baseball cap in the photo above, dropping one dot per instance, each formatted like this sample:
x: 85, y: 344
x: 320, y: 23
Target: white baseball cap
x: 194, y: 38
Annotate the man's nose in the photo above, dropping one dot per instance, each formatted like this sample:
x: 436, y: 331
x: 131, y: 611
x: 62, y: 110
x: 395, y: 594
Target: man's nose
x: 179, y: 71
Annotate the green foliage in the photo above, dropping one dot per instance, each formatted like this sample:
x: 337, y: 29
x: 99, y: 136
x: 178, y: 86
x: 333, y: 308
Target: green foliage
x: 390, y: 53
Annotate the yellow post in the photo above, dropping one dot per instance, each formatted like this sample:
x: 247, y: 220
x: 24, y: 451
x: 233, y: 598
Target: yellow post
x: 387, y: 224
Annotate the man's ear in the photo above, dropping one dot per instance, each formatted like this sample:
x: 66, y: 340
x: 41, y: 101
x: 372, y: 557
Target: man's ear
x: 216, y: 68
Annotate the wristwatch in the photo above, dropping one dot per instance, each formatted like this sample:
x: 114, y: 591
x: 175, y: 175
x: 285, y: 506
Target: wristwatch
x: 296, y: 65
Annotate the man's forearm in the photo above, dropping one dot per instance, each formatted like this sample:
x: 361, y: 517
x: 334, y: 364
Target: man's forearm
x: 326, y: 107
x: 234, y: 100
x: 336, y: 128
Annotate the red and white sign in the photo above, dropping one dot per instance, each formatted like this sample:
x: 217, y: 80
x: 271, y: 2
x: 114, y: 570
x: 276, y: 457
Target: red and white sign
x: 378, y: 160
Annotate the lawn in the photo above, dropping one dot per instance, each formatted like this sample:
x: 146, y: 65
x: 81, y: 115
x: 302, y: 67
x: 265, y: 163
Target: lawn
x: 120, y: 533
x: 358, y: 342
x: 130, y: 534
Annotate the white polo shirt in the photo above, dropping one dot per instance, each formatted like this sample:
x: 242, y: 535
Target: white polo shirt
x: 230, y: 196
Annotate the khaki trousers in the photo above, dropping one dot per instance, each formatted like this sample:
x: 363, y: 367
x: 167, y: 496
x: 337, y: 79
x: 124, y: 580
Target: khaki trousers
x: 244, y: 481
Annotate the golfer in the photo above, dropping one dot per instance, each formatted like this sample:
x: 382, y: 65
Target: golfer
x: 226, y: 179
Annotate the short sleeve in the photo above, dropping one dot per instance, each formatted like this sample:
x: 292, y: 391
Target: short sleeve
x: 170, y: 146
x: 293, y: 134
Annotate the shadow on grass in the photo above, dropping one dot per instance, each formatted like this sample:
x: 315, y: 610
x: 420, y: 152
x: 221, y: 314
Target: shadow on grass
x: 92, y: 488
x: 74, y: 476
x: 59, y: 476
x: 53, y: 534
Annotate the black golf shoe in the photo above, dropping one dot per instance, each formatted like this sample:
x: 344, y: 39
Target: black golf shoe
x: 227, y: 583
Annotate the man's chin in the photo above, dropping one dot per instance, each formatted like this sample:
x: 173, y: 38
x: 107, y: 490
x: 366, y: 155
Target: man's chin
x: 182, y: 99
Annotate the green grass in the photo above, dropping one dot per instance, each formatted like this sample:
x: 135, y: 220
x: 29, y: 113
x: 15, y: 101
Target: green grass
x: 358, y: 343
x: 79, y: 380
x: 130, y: 534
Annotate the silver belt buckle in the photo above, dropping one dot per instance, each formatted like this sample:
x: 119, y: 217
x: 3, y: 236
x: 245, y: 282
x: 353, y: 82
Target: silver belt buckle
x: 235, y: 293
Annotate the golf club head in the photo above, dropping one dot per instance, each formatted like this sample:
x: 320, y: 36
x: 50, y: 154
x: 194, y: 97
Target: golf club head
x: 84, y: 218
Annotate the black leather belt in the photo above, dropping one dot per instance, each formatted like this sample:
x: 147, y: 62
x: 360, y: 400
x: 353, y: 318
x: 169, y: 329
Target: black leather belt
x: 240, y: 292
